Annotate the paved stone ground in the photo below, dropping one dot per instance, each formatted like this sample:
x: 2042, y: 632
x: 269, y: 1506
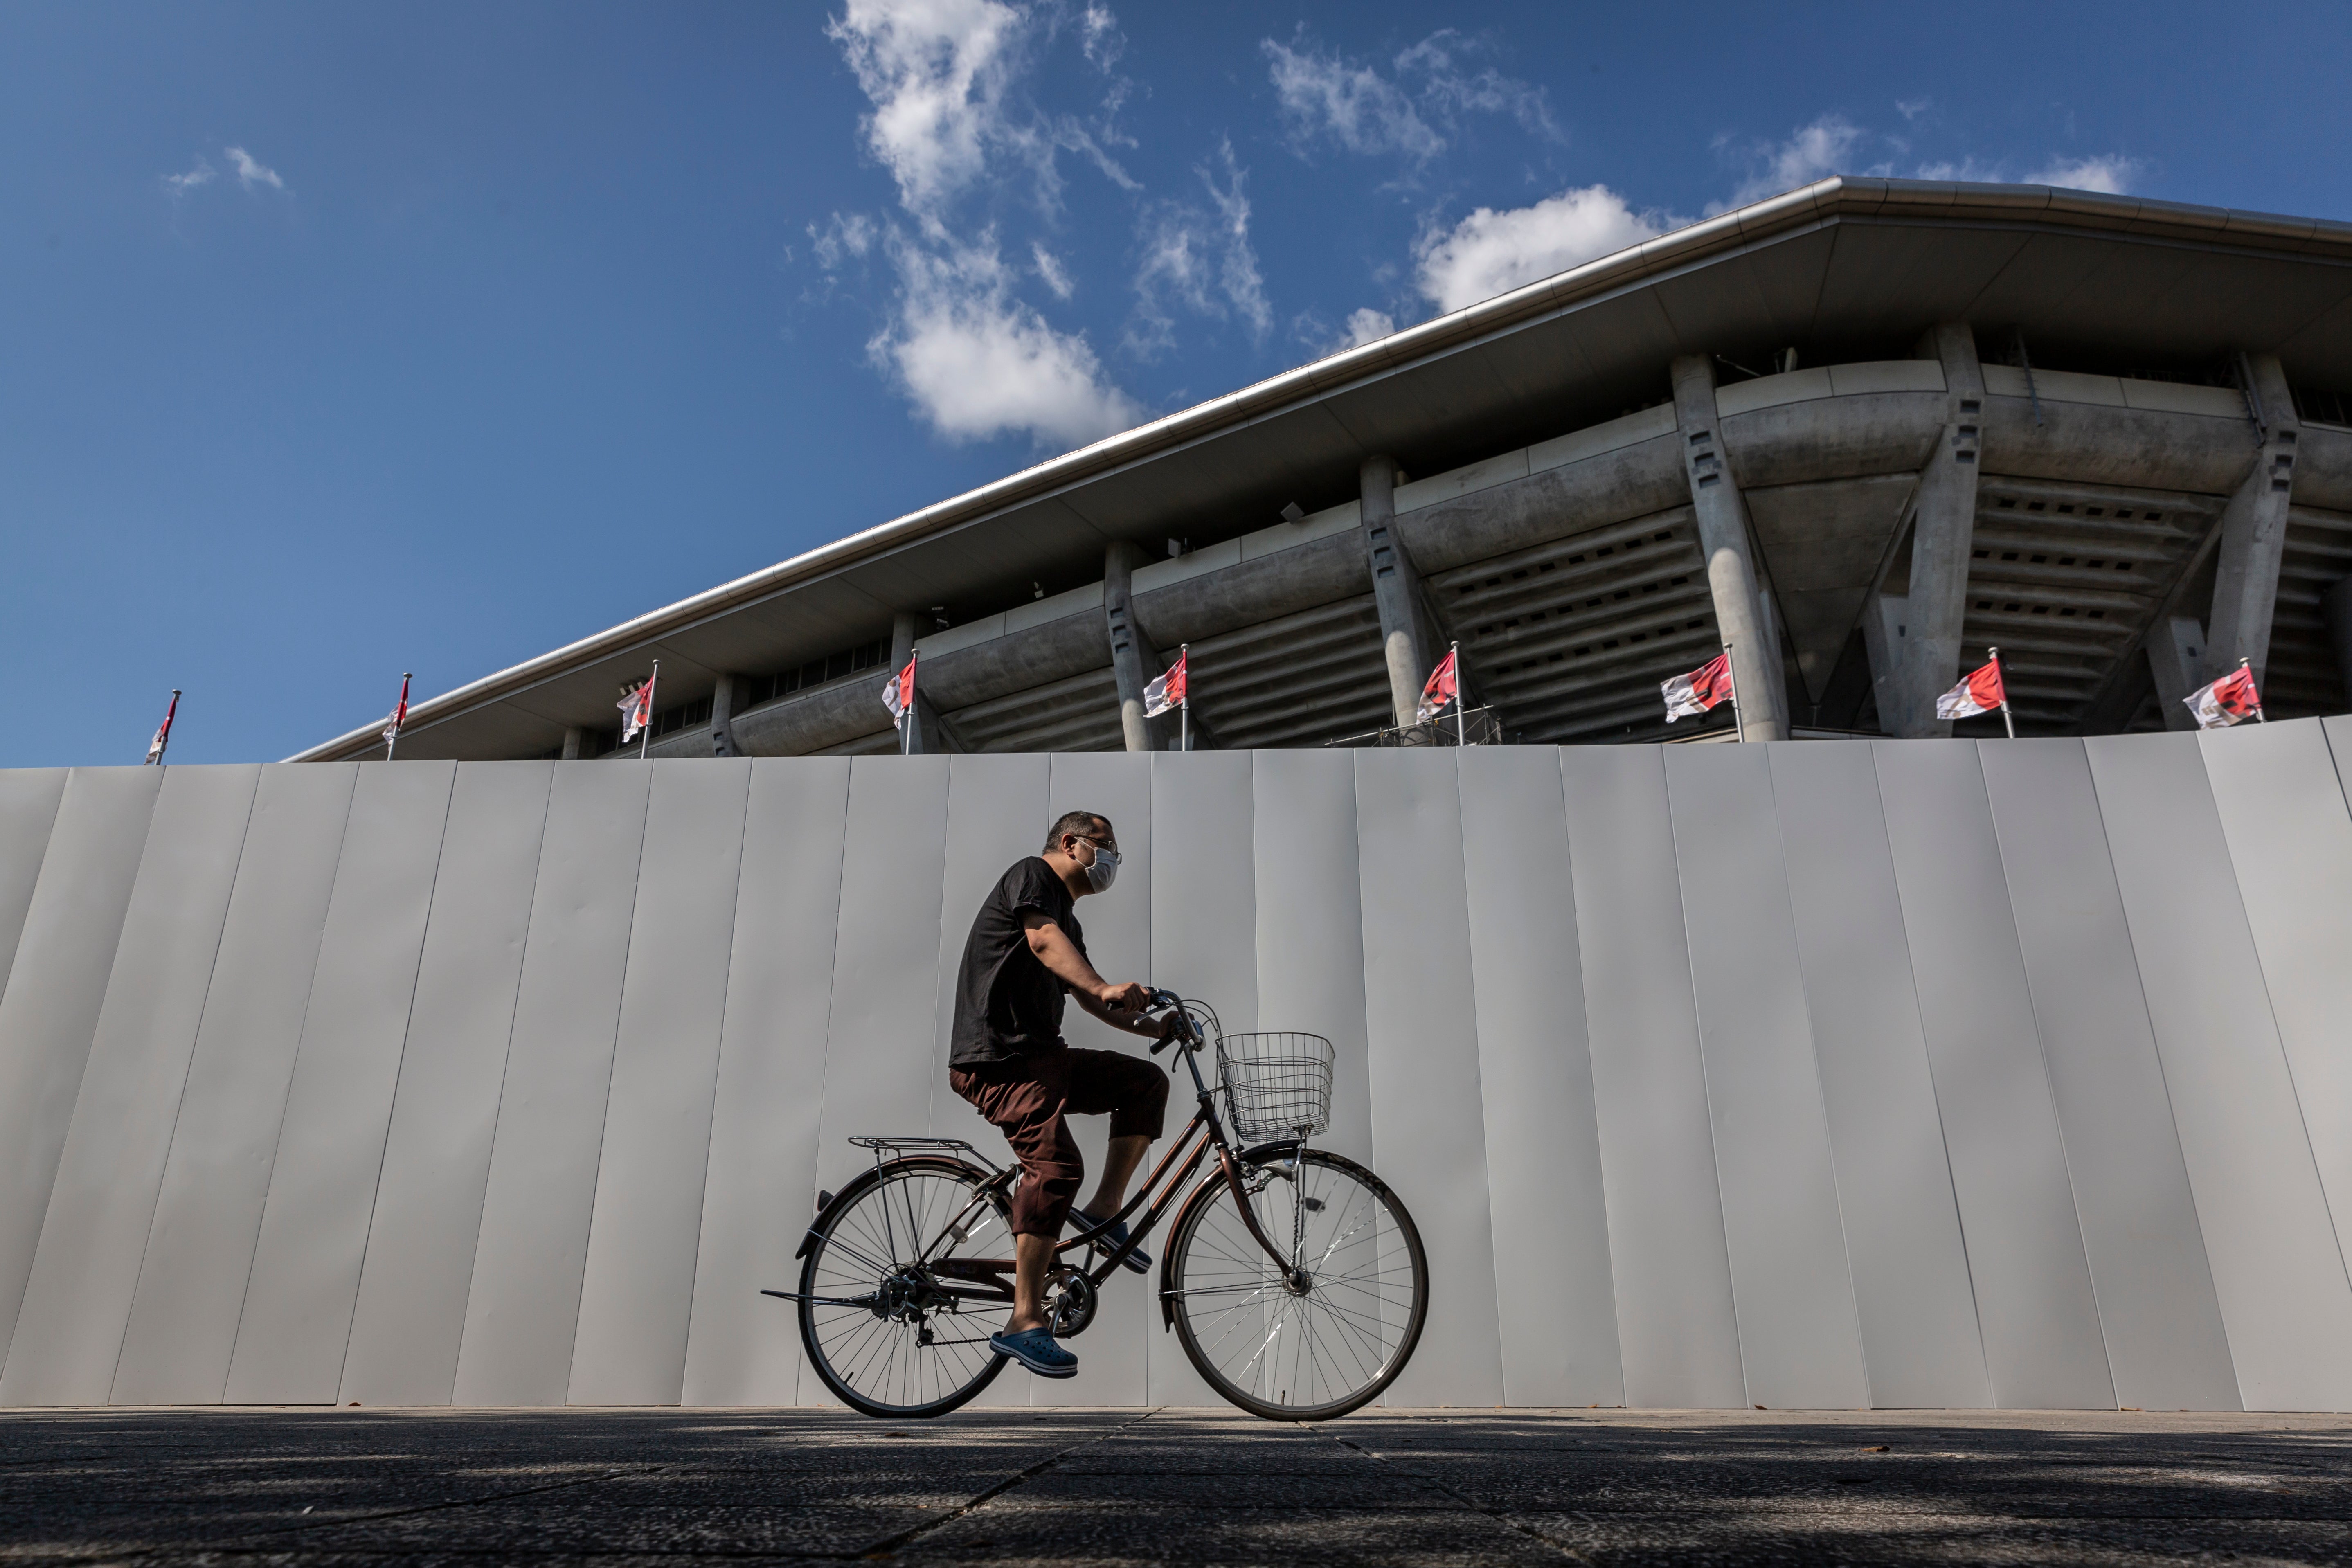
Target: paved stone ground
x: 397, y: 1489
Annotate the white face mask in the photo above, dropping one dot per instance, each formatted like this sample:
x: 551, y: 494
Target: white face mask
x: 1104, y: 870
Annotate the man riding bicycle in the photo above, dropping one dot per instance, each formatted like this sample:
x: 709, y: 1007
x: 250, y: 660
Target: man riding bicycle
x: 1007, y: 1056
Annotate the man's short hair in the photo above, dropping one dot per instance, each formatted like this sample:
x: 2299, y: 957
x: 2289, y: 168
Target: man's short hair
x: 1085, y: 823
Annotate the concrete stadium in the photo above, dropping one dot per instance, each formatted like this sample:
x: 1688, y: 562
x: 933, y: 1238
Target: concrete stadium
x: 1861, y: 431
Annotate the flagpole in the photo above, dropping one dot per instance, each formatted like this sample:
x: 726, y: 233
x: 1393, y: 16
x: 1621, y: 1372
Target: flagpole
x: 2260, y: 717
x: 1993, y: 656
x: 907, y: 714
x: 1184, y: 703
x: 1733, y: 680
x: 646, y: 746
x: 170, y: 711
x: 1461, y: 733
x: 398, y: 714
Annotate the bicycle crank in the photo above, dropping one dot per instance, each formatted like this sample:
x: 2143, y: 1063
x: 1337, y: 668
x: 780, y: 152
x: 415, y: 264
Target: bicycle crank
x: 1070, y: 1301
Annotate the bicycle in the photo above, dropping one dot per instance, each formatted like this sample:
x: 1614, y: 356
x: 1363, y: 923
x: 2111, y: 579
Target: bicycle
x: 1294, y: 1278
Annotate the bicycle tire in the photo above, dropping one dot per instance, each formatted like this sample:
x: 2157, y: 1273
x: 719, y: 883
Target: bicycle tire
x: 853, y: 1214
x: 1211, y: 1257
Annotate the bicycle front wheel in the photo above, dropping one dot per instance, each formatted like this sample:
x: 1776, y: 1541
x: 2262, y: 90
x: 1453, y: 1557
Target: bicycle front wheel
x: 1324, y: 1336
x: 887, y: 1334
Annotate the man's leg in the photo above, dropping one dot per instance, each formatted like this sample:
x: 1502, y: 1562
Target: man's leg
x: 1030, y: 1253
x: 1119, y: 1162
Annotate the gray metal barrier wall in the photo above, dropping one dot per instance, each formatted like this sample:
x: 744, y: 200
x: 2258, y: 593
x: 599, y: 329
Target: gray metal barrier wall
x: 1825, y: 1074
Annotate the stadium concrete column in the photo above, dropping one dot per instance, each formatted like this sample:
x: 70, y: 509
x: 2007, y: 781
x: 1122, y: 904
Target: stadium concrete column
x: 1942, y: 533
x: 2176, y: 659
x: 2253, y: 530
x: 572, y: 739
x: 1396, y: 589
x: 1126, y: 645
x: 2337, y: 603
x: 722, y: 715
x: 1731, y: 565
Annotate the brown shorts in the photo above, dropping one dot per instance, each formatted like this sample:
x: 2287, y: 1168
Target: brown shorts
x: 1027, y: 1100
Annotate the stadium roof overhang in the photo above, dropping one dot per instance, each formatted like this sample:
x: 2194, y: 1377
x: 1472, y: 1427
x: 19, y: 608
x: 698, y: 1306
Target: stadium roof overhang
x: 1843, y: 269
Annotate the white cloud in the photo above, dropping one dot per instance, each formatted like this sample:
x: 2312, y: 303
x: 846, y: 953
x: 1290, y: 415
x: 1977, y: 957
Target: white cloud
x: 1911, y: 108
x: 935, y: 71
x: 2112, y: 174
x: 1830, y: 146
x: 1056, y: 277
x: 200, y: 173
x: 1322, y: 95
x: 1490, y: 252
x: 1365, y: 326
x: 845, y: 236
x: 1453, y: 90
x: 251, y: 174
x: 1432, y: 87
x: 978, y: 364
x: 1099, y: 37
x: 1966, y: 169
x: 1199, y: 259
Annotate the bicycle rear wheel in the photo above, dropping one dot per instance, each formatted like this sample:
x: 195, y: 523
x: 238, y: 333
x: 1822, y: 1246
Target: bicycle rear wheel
x: 1292, y: 1353
x: 886, y: 1334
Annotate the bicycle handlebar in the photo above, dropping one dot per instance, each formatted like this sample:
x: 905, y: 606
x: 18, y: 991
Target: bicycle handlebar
x: 1157, y: 1001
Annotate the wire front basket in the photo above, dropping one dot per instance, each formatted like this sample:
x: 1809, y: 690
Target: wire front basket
x: 1278, y: 1084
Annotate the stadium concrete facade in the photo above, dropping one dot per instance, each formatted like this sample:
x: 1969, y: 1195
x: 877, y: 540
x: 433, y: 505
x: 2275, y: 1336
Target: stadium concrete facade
x: 1861, y: 432
x: 1867, y: 1065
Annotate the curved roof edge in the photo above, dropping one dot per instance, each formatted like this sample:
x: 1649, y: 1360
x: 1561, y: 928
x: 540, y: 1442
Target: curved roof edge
x: 1837, y: 196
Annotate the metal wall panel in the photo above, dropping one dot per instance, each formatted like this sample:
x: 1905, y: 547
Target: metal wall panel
x: 28, y: 809
x: 1677, y: 1332
x: 1429, y: 1135
x: 638, y: 1292
x: 2276, y: 1265
x: 1901, y: 1225
x: 1801, y: 1341
x: 296, y: 1326
x: 2162, y: 1321
x: 2290, y: 837
x: 882, y: 1051
x: 1555, y: 1310
x: 57, y: 985
x: 86, y: 1268
x: 1310, y: 923
x: 2035, y: 1301
x: 743, y: 1347
x: 1118, y: 941
x: 524, y: 1306
x: 410, y: 1314
x: 996, y: 817
x: 184, y: 1319
x: 1203, y: 946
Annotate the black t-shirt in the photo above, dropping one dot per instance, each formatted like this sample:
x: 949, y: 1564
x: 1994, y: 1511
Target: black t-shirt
x: 1007, y: 1004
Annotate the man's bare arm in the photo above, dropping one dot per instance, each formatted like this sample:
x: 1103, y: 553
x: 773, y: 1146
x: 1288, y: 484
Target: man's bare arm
x: 1063, y: 960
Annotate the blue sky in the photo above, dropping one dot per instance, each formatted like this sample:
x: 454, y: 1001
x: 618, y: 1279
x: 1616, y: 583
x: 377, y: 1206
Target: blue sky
x: 339, y: 340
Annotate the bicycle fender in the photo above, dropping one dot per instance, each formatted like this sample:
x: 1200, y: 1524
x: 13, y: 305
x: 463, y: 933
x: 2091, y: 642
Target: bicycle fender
x: 1199, y: 1196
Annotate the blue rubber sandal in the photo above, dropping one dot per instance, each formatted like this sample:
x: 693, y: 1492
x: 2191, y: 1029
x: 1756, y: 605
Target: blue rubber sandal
x: 1036, y: 1350
x: 1137, y: 1262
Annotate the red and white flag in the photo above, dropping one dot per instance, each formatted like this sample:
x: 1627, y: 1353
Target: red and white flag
x: 637, y: 712
x: 1166, y: 693
x: 1442, y: 689
x: 1981, y: 692
x: 1687, y: 696
x: 162, y: 732
x: 900, y: 695
x: 2226, y: 701
x: 399, y: 717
